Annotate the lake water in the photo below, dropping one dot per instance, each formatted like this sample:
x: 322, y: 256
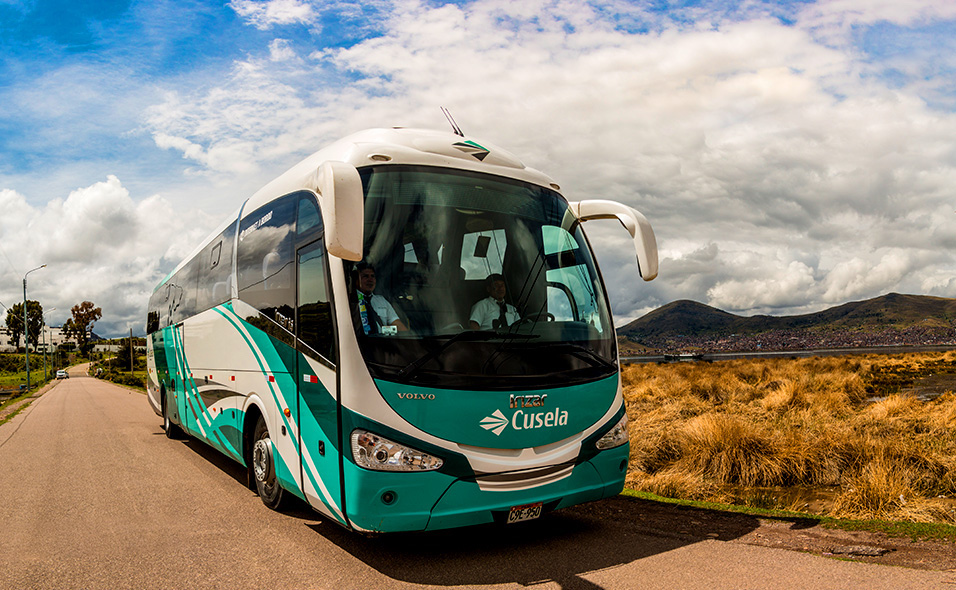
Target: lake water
x: 729, y: 356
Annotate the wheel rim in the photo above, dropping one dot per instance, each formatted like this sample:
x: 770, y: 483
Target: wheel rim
x: 262, y: 460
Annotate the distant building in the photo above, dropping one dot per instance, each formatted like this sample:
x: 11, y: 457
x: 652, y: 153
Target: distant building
x: 54, y: 338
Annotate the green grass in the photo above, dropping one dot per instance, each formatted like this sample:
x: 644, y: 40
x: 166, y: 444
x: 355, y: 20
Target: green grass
x: 13, y: 380
x: 917, y: 531
x: 10, y: 416
x: 10, y: 402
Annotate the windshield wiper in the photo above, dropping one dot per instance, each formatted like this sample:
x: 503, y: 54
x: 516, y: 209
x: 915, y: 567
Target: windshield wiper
x: 581, y: 352
x: 466, y: 336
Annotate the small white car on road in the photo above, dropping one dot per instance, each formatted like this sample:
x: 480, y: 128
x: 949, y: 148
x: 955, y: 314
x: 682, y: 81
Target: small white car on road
x: 62, y: 374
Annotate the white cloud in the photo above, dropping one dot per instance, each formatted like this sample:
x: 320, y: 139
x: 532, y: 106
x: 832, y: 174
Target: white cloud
x: 778, y: 286
x: 834, y: 20
x: 854, y: 278
x: 265, y: 15
x: 100, y: 245
x: 779, y: 174
x: 281, y: 50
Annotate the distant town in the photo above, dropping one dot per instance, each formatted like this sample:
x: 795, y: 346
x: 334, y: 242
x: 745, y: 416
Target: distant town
x: 793, y: 340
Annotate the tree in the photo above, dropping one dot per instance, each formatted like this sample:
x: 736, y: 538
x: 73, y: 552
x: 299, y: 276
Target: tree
x: 34, y: 322
x: 123, y: 355
x: 80, y: 326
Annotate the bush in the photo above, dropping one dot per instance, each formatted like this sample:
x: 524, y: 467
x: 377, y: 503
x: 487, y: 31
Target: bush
x: 132, y: 380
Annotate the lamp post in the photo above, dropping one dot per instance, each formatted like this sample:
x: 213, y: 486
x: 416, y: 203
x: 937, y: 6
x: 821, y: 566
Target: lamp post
x: 26, y: 330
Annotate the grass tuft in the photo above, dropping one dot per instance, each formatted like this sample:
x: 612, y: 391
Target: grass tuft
x: 713, y: 431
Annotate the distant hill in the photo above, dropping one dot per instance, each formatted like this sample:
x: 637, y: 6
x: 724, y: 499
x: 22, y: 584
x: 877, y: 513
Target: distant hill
x: 920, y: 318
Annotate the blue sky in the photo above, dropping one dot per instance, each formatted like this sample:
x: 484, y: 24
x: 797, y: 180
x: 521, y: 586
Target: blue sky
x: 790, y: 155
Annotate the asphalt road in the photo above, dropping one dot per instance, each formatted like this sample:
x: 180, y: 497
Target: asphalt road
x: 92, y: 495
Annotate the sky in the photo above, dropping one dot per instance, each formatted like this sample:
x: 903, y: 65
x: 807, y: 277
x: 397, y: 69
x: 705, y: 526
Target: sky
x: 791, y: 156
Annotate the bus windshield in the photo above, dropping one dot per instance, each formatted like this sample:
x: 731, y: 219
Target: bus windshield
x: 473, y: 281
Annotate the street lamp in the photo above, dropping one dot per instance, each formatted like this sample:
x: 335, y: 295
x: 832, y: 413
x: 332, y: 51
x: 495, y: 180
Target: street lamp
x: 26, y: 331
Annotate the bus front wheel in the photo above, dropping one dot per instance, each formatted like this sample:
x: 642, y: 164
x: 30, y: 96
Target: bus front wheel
x: 263, y: 468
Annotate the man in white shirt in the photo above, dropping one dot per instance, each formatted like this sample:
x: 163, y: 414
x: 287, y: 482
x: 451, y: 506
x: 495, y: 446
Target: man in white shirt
x: 374, y: 310
x: 492, y: 313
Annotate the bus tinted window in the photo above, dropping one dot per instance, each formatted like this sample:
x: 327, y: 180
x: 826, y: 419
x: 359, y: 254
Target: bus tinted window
x: 181, y: 292
x: 215, y: 266
x: 435, y: 236
x: 309, y: 219
x: 265, y: 255
x: 314, y: 313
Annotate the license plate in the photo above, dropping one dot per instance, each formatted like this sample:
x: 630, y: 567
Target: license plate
x: 524, y: 512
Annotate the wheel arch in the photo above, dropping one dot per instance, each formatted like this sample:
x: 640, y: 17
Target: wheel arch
x: 250, y: 417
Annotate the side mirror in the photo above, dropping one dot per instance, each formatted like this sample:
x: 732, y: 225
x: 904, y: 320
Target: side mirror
x: 645, y: 244
x: 343, y: 209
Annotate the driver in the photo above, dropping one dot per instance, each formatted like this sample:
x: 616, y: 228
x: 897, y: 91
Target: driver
x: 492, y: 313
x: 374, y: 310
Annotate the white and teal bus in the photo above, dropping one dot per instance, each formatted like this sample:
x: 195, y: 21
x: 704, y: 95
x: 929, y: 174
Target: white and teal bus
x: 260, y: 343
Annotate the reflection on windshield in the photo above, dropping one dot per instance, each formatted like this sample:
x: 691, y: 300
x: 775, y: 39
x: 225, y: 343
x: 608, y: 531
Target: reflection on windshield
x: 455, y: 252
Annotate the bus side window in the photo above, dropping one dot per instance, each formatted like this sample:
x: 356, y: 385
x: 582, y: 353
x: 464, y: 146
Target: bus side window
x: 308, y: 219
x: 181, y: 294
x: 314, y: 313
x: 216, y: 270
x: 265, y: 263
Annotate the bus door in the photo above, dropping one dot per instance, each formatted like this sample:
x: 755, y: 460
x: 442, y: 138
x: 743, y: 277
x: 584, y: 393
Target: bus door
x: 316, y: 362
x: 179, y: 380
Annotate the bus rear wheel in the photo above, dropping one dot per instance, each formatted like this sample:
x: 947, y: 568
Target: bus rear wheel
x: 263, y: 468
x: 172, y: 431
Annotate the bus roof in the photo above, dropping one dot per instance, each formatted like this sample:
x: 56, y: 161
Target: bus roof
x: 401, y: 146
x: 397, y: 145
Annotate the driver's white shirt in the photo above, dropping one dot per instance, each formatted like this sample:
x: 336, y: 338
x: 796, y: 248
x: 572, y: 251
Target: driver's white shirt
x: 383, y: 309
x: 487, y: 311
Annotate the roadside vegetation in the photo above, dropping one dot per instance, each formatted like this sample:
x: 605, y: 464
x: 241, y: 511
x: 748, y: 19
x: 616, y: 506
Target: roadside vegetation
x: 843, y: 437
x: 118, y: 368
x: 13, y: 370
x: 13, y: 374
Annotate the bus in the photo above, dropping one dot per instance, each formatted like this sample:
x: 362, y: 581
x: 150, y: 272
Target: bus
x: 267, y: 344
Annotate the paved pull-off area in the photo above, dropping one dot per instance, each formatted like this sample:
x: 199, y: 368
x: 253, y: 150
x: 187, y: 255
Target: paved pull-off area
x: 93, y: 495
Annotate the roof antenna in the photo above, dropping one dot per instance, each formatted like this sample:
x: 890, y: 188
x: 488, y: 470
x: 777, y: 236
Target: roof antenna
x: 451, y: 121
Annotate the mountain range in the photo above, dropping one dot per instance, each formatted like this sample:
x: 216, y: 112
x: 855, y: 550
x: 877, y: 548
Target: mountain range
x: 885, y: 320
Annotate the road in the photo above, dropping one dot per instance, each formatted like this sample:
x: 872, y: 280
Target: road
x: 92, y: 495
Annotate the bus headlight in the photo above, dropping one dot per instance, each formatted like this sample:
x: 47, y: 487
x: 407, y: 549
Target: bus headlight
x: 381, y: 454
x: 615, y: 437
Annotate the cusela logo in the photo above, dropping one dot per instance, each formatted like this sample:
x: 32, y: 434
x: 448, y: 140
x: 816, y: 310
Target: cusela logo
x: 521, y: 420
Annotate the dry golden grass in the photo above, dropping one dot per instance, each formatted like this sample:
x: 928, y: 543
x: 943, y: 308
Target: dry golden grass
x: 714, y: 430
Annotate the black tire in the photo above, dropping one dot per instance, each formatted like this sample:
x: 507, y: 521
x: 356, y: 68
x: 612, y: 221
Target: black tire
x: 263, y: 468
x: 173, y: 431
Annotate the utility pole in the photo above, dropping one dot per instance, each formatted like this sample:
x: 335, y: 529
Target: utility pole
x: 46, y: 376
x: 26, y: 326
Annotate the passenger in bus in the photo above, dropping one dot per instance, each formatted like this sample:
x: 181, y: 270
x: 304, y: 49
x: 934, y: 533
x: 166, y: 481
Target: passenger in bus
x: 374, y: 311
x: 492, y: 312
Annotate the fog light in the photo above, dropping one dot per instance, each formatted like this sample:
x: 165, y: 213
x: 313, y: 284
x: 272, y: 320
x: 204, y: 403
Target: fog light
x: 389, y: 498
